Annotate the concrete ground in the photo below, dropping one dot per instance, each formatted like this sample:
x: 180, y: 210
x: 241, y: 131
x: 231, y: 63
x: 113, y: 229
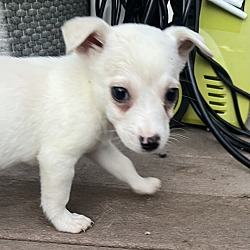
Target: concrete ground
x: 204, y: 203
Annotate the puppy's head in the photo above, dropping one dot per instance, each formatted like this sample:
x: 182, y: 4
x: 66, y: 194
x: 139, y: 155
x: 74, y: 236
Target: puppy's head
x: 135, y: 73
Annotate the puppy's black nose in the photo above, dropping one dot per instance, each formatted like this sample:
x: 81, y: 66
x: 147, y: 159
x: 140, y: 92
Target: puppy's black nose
x: 150, y: 143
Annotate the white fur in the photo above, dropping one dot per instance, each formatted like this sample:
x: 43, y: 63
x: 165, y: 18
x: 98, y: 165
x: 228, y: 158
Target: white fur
x: 55, y: 109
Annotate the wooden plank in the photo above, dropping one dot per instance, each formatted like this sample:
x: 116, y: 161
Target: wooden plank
x: 204, y: 203
x: 24, y: 245
x: 125, y: 220
x: 197, y: 165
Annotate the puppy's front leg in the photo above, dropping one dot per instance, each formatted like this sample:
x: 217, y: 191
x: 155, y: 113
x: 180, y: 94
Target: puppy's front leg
x: 56, y: 173
x: 110, y: 158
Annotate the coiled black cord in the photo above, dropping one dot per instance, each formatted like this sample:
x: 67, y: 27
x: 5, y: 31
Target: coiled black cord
x: 225, y: 133
x: 151, y: 12
x: 215, y: 127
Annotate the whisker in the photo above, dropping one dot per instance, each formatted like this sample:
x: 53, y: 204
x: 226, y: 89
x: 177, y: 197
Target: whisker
x: 111, y: 131
x: 189, y: 97
x: 116, y: 140
x: 184, y: 80
x: 179, y: 135
x: 182, y: 129
x: 174, y: 139
x: 180, y: 123
x: 171, y: 142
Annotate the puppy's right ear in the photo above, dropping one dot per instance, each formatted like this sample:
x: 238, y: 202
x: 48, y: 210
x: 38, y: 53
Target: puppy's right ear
x: 186, y: 39
x: 85, y: 34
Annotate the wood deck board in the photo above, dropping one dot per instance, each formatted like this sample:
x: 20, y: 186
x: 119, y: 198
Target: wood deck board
x: 204, y: 204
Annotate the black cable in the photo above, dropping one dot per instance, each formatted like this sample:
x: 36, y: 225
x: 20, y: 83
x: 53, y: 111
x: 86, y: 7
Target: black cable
x: 97, y: 7
x: 151, y: 12
x: 219, y: 69
x: 150, y: 9
x: 163, y: 13
x: 238, y: 142
x: 214, y: 129
x: 113, y: 12
x: 229, y: 126
x: 117, y: 19
x: 234, y: 140
x: 124, y: 3
x: 186, y: 12
x: 197, y: 16
x: 216, y: 124
x: 223, y: 75
x: 177, y: 7
x: 100, y: 9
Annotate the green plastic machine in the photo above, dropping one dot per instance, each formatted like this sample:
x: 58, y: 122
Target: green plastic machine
x: 229, y: 38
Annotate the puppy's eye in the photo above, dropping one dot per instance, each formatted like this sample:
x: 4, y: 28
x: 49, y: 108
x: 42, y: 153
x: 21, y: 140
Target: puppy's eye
x: 120, y: 94
x: 172, y: 95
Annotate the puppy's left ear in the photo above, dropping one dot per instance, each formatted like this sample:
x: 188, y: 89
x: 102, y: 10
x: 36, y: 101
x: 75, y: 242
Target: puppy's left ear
x: 186, y: 40
x: 85, y: 34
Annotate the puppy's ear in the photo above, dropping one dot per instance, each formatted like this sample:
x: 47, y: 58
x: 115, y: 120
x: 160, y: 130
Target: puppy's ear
x: 85, y: 34
x: 186, y: 40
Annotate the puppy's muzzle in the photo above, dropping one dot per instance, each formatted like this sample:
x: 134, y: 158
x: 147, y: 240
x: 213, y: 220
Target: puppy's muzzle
x: 150, y: 143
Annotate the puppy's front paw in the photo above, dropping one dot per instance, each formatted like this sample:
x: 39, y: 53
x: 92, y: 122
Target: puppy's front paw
x: 71, y: 222
x: 149, y: 185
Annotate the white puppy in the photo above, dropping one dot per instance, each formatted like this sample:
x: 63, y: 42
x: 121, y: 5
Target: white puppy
x: 56, y: 109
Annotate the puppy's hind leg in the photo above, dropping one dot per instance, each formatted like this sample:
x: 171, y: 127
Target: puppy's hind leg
x: 110, y: 158
x: 56, y: 174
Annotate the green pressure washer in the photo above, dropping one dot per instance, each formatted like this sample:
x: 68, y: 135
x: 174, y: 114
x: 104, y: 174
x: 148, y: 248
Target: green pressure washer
x: 229, y: 38
x: 215, y: 91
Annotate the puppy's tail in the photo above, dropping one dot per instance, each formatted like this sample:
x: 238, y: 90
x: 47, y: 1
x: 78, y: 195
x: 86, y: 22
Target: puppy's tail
x: 4, y: 40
